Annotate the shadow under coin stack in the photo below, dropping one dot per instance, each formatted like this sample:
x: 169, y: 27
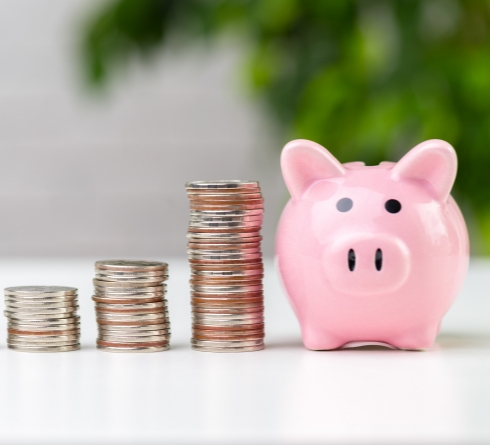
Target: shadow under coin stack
x: 42, y: 318
x: 226, y: 265
x: 131, y: 307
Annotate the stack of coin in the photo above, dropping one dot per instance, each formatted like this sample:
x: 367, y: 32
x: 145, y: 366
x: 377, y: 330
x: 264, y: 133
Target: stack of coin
x: 42, y: 318
x: 130, y: 306
x: 226, y: 265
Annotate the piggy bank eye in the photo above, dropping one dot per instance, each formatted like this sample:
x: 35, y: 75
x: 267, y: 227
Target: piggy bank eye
x: 344, y: 204
x: 393, y: 206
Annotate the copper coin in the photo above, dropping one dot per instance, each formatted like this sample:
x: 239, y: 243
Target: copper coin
x: 225, y: 213
x: 218, y: 330
x: 236, y: 324
x: 246, y: 310
x: 222, y: 217
x: 253, y: 280
x: 219, y: 279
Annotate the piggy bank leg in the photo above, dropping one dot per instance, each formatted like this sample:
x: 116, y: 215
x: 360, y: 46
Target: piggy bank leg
x: 420, y: 338
x: 318, y: 340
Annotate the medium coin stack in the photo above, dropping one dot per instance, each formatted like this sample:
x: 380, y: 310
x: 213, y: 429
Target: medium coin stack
x: 130, y: 306
x: 42, y: 318
x: 226, y: 265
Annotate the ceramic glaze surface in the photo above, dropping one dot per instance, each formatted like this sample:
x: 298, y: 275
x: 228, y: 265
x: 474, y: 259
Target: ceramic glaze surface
x: 371, y: 253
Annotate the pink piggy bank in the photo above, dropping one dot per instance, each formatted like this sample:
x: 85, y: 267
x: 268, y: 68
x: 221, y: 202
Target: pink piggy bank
x: 371, y: 254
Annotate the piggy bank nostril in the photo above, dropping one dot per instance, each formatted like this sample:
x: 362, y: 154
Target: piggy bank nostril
x: 378, y: 259
x: 351, y: 259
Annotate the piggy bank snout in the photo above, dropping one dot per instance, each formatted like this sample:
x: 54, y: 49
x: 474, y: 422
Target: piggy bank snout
x: 366, y: 264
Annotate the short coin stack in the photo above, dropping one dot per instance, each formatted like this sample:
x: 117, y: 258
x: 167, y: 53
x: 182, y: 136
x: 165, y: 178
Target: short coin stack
x: 226, y: 265
x: 42, y: 318
x: 131, y: 307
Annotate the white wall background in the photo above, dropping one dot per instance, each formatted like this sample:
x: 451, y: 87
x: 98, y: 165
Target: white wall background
x: 104, y: 176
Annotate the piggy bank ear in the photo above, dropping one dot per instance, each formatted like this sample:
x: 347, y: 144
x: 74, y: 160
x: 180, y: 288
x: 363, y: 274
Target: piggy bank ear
x: 304, y: 162
x: 433, y: 162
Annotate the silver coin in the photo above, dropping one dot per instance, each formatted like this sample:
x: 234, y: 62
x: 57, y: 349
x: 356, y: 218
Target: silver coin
x: 40, y: 339
x: 225, y: 224
x: 41, y: 344
x: 38, y: 315
x: 223, y: 218
x: 131, y: 265
x: 70, y: 299
x: 124, y: 296
x: 23, y: 348
x: 114, y: 290
x: 222, y: 184
x: 40, y: 305
x: 223, y: 274
x: 226, y: 237
x: 134, y: 349
x: 40, y: 325
x: 133, y: 280
x: 133, y: 339
x: 226, y: 213
x: 225, y: 289
x: 47, y: 328
x: 128, y: 273
x: 228, y: 349
x: 160, y: 304
x: 135, y: 317
x: 222, y: 252
x: 41, y: 290
x: 41, y: 311
x: 125, y: 284
x: 48, y: 321
x: 138, y: 328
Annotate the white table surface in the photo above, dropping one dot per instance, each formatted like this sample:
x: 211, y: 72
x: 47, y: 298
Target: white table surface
x: 284, y: 394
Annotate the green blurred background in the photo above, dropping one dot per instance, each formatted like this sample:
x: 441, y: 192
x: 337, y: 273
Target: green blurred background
x: 367, y: 79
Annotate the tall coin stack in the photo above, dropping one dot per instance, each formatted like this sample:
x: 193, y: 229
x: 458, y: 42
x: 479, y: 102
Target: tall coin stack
x: 130, y: 306
x: 42, y: 318
x: 226, y: 265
